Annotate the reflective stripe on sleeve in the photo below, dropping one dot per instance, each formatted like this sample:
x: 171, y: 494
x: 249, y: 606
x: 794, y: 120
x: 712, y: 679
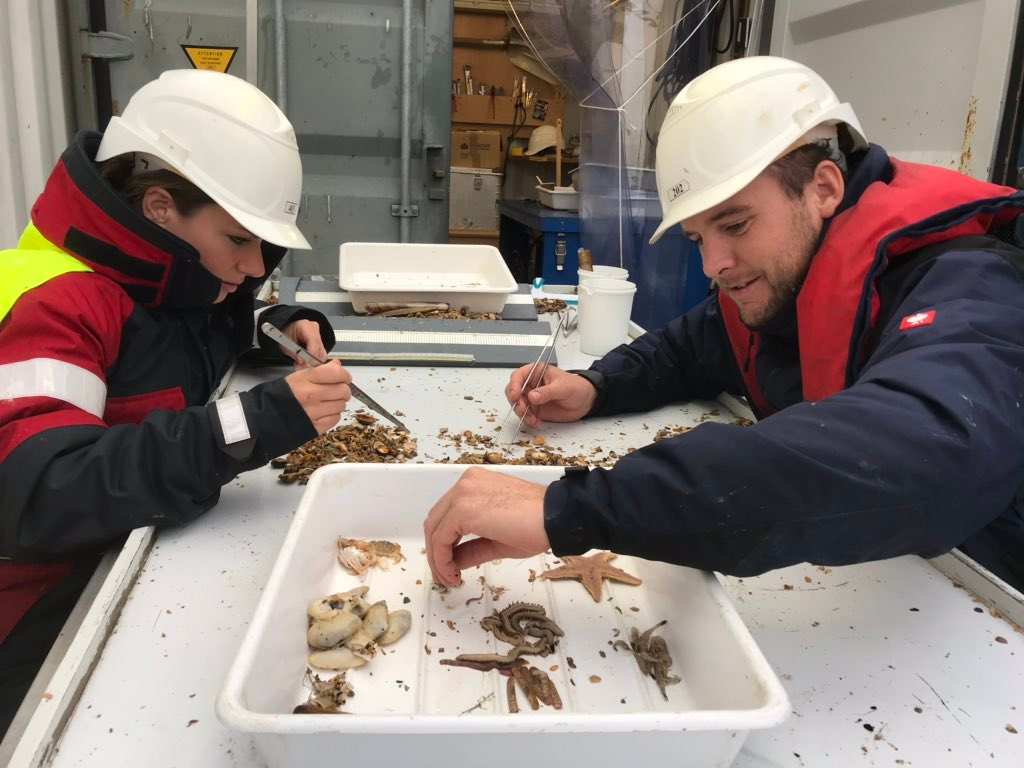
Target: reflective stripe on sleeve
x: 232, y: 419
x: 256, y: 330
x: 45, y: 377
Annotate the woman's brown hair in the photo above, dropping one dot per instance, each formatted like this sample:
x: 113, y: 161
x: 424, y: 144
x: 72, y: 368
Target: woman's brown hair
x: 188, y: 198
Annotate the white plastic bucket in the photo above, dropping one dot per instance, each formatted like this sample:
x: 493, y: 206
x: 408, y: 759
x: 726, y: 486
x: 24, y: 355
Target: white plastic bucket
x: 604, y: 314
x: 599, y: 272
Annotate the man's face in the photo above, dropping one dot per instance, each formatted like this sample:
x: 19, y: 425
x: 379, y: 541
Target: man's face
x: 757, y: 246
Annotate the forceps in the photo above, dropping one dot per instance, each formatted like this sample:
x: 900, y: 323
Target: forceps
x: 286, y: 342
x: 545, y: 354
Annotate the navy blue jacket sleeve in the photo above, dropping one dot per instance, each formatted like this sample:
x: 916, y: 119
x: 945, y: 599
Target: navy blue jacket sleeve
x: 690, y: 358
x: 924, y: 449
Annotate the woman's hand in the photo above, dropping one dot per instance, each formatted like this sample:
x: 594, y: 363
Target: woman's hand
x: 307, y: 334
x: 322, y: 392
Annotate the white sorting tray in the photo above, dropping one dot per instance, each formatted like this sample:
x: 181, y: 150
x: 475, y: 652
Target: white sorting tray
x: 559, y: 198
x: 471, y: 276
x: 409, y: 710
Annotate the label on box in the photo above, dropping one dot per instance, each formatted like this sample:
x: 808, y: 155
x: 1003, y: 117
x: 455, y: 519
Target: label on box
x: 476, y: 149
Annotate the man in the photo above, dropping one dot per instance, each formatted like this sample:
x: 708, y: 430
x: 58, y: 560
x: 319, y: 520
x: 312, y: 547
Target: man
x: 868, y: 310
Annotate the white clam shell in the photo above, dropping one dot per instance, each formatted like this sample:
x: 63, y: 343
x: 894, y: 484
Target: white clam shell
x: 398, y: 624
x: 332, y: 631
x: 336, y: 658
x: 328, y: 606
x: 375, y: 622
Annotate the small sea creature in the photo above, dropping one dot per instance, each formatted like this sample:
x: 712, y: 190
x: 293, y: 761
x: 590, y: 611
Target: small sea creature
x: 358, y: 556
x: 591, y: 571
x: 651, y: 654
x: 326, y: 696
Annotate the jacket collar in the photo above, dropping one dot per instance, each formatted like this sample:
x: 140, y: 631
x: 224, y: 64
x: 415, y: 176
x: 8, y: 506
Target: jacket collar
x: 83, y: 215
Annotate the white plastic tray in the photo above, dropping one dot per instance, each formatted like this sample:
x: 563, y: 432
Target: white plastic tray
x: 471, y: 276
x: 409, y: 710
x: 559, y: 198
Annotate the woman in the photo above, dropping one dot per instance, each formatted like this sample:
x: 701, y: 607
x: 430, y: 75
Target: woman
x: 127, y: 299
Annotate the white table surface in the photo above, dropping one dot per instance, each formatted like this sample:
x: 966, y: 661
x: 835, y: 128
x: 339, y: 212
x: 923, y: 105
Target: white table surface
x: 888, y: 663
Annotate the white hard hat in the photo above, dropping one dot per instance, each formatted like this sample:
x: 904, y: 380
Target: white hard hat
x: 226, y: 137
x: 730, y: 123
x: 543, y: 137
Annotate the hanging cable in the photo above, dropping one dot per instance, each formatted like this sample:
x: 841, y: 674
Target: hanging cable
x: 686, y: 60
x: 730, y: 6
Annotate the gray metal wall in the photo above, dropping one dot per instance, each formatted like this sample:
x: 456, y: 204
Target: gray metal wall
x: 341, y: 86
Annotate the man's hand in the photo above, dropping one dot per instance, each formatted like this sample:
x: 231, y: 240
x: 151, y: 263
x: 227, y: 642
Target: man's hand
x: 561, y: 396
x: 322, y: 392
x: 307, y: 334
x: 506, y: 513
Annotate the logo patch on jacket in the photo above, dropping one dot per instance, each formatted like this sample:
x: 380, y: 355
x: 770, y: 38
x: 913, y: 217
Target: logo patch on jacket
x: 917, y: 320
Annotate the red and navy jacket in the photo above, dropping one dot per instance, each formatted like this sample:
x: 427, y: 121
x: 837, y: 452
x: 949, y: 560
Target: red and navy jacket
x: 123, y: 434
x: 895, y: 385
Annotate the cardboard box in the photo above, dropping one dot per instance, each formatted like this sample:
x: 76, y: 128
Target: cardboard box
x: 476, y: 149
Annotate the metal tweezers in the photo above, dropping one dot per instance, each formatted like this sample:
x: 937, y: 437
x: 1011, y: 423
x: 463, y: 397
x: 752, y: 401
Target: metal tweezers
x: 298, y: 349
x: 545, y: 354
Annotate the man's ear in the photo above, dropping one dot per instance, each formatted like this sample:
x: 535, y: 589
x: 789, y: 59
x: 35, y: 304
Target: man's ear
x: 158, y: 206
x: 826, y: 189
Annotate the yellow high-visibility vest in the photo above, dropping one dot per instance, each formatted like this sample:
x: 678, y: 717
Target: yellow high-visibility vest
x: 35, y: 261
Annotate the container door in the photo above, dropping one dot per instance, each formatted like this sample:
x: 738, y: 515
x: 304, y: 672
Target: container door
x: 336, y: 70
x: 931, y: 82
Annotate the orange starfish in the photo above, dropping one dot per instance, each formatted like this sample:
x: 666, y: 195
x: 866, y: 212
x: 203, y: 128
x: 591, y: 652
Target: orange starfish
x: 591, y: 571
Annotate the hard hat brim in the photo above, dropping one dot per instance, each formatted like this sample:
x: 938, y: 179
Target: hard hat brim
x: 284, y: 235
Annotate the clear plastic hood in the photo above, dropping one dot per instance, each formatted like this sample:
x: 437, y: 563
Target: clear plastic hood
x: 624, y: 60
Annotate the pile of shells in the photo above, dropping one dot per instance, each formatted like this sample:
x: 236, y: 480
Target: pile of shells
x: 454, y: 314
x: 345, y: 630
x: 354, y: 443
x: 534, y: 456
x: 549, y: 306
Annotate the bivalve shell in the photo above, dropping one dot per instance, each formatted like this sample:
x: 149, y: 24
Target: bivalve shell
x: 336, y: 658
x: 332, y: 631
x: 398, y: 624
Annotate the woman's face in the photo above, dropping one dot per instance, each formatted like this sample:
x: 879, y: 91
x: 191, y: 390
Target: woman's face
x: 229, y: 252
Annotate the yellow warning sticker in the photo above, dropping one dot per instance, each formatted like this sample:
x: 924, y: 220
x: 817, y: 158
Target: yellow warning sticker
x: 216, y: 58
